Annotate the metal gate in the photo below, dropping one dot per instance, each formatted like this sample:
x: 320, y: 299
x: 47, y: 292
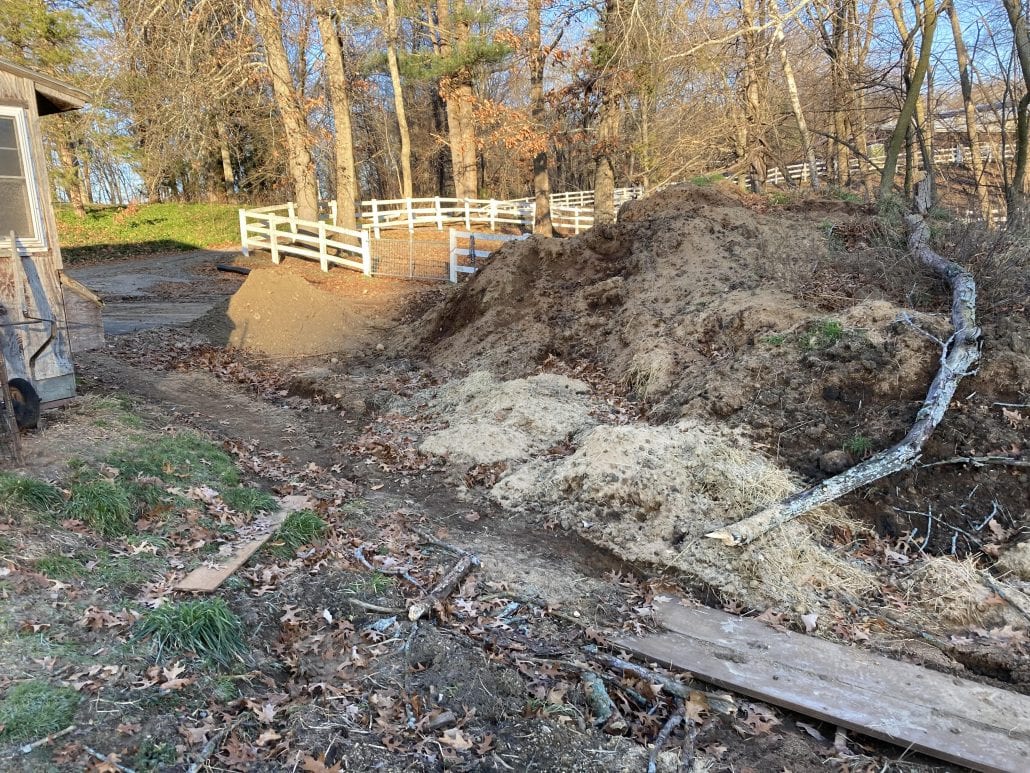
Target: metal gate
x: 411, y: 258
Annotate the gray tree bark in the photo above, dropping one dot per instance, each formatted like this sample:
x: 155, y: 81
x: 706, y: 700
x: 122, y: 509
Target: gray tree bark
x: 541, y: 180
x: 398, y: 99
x: 343, y: 141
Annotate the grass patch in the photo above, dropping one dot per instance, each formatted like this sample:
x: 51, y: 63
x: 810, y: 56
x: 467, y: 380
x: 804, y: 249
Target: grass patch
x: 17, y: 491
x: 123, y: 571
x: 858, y: 445
x: 300, y: 528
x: 181, y: 458
x: 776, y: 339
x: 33, y: 710
x: 373, y: 584
x: 826, y: 334
x: 105, y: 507
x: 249, y: 500
x: 58, y: 567
x: 207, y: 628
x: 843, y: 194
x: 112, y: 233
x: 706, y: 180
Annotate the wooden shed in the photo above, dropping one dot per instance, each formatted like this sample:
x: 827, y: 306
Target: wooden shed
x: 36, y: 300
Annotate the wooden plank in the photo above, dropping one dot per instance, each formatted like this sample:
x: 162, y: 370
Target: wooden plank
x: 206, y: 578
x: 947, y: 717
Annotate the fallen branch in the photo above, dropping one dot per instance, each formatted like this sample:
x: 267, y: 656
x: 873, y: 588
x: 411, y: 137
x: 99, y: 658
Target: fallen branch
x: 444, y: 588
x: 718, y: 702
x: 601, y: 704
x: 960, y: 353
x: 108, y: 759
x: 674, y: 721
x: 359, y: 553
x: 212, y: 745
x: 31, y: 747
x: 980, y: 461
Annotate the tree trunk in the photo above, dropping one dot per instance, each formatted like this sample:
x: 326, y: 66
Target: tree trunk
x: 976, y: 164
x: 609, y: 118
x: 795, y: 105
x: 398, y: 99
x: 541, y: 181
x: 1016, y: 195
x: 70, y: 174
x: 755, y: 90
x: 912, y: 98
x: 228, y: 177
x: 295, y: 128
x: 346, y: 185
x: 457, y: 93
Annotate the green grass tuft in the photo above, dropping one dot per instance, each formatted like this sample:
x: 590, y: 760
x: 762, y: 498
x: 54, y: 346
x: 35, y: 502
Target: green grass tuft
x: 775, y: 339
x: 58, y: 567
x: 32, y: 710
x: 104, y: 506
x: 181, y: 458
x: 300, y: 528
x: 826, y: 334
x: 858, y: 445
x: 28, y: 493
x: 249, y: 500
x: 207, y: 628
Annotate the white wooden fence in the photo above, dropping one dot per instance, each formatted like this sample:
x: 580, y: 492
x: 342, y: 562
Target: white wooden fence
x: 470, y: 252
x: 266, y: 228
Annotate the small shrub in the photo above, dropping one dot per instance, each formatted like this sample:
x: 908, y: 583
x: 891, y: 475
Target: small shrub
x: 249, y: 500
x: 776, y: 339
x: 300, y: 528
x: 207, y: 628
x: 844, y: 194
x: 58, y: 567
x: 706, y: 180
x: 32, y: 710
x: 104, y: 506
x: 28, y: 493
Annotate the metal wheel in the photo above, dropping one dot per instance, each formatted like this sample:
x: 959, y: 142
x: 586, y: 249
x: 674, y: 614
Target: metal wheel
x: 25, y: 402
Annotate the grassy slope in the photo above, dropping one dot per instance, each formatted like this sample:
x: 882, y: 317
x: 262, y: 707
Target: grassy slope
x: 110, y: 233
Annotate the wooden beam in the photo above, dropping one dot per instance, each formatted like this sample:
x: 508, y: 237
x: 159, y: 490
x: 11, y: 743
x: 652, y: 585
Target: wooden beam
x: 946, y: 717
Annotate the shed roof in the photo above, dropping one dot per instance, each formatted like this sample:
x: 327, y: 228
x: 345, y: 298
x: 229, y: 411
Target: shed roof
x: 52, y: 95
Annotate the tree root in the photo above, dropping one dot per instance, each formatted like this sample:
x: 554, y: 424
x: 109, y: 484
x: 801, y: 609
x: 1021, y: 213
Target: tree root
x: 958, y: 358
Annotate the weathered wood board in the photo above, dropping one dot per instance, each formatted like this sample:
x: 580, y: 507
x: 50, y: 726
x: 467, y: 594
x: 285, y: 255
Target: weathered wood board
x: 946, y: 717
x: 205, y: 579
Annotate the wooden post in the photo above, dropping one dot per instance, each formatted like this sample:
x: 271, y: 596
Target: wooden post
x: 453, y: 252
x: 493, y: 214
x: 411, y: 217
x: 334, y: 209
x: 576, y: 219
x: 375, y: 217
x: 439, y: 215
x: 273, y: 238
x: 243, y: 234
x: 323, y: 253
x: 292, y: 211
x: 468, y: 218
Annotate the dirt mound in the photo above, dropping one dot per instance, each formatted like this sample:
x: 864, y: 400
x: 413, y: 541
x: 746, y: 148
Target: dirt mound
x: 279, y: 313
x: 808, y: 326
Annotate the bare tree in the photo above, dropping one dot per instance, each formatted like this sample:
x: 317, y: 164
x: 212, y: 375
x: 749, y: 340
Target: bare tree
x: 541, y: 179
x: 976, y: 163
x: 343, y: 141
x: 398, y: 98
x: 795, y: 104
x: 1016, y: 194
x: 609, y: 109
x: 300, y: 165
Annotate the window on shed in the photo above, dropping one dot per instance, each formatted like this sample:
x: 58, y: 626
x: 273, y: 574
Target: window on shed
x: 15, y: 208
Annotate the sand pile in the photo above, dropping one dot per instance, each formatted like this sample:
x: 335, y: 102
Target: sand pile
x: 279, y: 313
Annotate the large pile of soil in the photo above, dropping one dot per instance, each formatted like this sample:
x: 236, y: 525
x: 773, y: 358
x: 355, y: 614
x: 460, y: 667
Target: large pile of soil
x: 809, y: 327
x: 281, y: 314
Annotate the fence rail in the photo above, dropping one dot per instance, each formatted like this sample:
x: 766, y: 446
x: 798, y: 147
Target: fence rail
x: 470, y: 252
x: 316, y: 240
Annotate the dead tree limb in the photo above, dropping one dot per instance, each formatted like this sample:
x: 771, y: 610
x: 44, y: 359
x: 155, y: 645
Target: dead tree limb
x: 444, y: 588
x: 960, y: 354
x: 674, y: 721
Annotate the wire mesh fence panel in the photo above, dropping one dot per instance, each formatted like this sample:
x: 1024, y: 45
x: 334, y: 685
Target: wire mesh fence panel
x: 410, y: 258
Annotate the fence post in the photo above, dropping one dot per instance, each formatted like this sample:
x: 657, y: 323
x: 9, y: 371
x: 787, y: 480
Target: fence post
x: 468, y: 218
x: 411, y: 218
x: 334, y: 210
x: 323, y: 251
x: 291, y: 209
x: 439, y: 215
x: 273, y: 237
x: 375, y: 217
x: 575, y: 221
x: 493, y: 214
x: 453, y: 261
x: 366, y: 254
x: 243, y: 234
